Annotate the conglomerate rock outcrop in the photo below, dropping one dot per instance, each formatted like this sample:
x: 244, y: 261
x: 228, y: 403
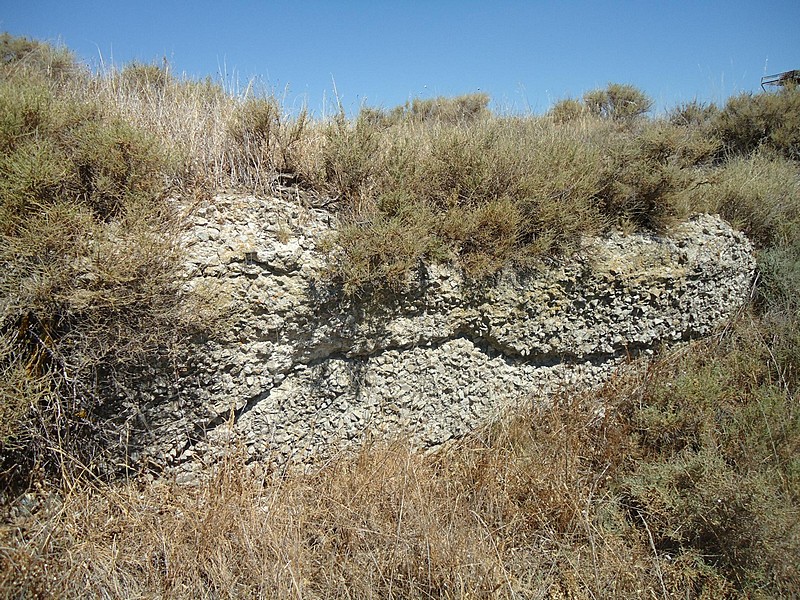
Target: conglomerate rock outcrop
x: 301, y: 370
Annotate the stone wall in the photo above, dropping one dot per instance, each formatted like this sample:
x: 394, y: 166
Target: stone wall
x: 301, y: 370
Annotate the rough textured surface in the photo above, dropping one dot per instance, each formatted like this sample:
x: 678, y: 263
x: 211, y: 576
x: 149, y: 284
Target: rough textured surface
x: 302, y: 371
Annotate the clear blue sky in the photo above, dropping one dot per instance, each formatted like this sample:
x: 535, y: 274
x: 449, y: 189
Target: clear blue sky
x: 526, y: 55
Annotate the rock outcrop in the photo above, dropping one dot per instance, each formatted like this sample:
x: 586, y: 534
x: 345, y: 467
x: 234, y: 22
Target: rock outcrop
x: 301, y: 370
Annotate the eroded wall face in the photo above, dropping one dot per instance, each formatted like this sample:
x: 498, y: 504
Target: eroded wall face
x: 300, y: 371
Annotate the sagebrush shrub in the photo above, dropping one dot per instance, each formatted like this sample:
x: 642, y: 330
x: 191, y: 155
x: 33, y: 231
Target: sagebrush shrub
x: 759, y: 194
x: 619, y: 102
x: 458, y: 110
x: 88, y: 248
x: 566, y: 110
x: 693, y: 114
x: 645, y: 172
x: 350, y: 158
x: 22, y: 56
x: 380, y: 252
x: 144, y: 78
x: 771, y: 119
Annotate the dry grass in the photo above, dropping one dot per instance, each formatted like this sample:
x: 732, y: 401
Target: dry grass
x: 516, y: 511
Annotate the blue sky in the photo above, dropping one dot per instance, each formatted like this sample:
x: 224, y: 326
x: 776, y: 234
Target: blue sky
x: 526, y: 55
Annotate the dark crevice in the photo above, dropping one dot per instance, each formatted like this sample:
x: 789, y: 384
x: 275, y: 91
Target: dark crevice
x: 494, y: 350
x: 201, y: 431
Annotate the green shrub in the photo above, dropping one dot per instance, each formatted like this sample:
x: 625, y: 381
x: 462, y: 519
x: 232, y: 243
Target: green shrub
x: 619, y: 102
x: 74, y: 153
x: 459, y: 110
x: 695, y: 501
x: 23, y: 109
x: 22, y: 56
x: 484, y: 237
x: 376, y: 117
x: 204, y: 92
x: 380, y: 252
x: 715, y: 475
x: 567, y: 110
x: 253, y: 131
x: 779, y: 269
x: 777, y: 296
x: 462, y: 166
x: 255, y: 122
x: 514, y: 177
x: 771, y: 120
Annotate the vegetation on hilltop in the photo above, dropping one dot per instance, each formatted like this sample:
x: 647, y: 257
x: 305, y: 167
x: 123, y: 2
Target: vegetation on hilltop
x: 688, y: 484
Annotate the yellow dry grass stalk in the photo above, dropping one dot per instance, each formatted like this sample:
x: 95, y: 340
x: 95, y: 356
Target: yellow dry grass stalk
x: 513, y: 510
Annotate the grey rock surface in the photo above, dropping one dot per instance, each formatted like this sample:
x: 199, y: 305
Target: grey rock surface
x: 301, y: 371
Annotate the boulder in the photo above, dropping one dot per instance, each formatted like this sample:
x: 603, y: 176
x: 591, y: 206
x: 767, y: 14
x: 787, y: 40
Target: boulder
x: 299, y: 371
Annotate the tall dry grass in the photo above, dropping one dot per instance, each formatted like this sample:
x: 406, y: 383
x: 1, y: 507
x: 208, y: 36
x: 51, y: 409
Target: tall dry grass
x: 514, y: 511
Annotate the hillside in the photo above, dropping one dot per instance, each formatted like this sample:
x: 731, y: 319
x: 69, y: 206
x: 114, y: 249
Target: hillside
x: 678, y: 477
